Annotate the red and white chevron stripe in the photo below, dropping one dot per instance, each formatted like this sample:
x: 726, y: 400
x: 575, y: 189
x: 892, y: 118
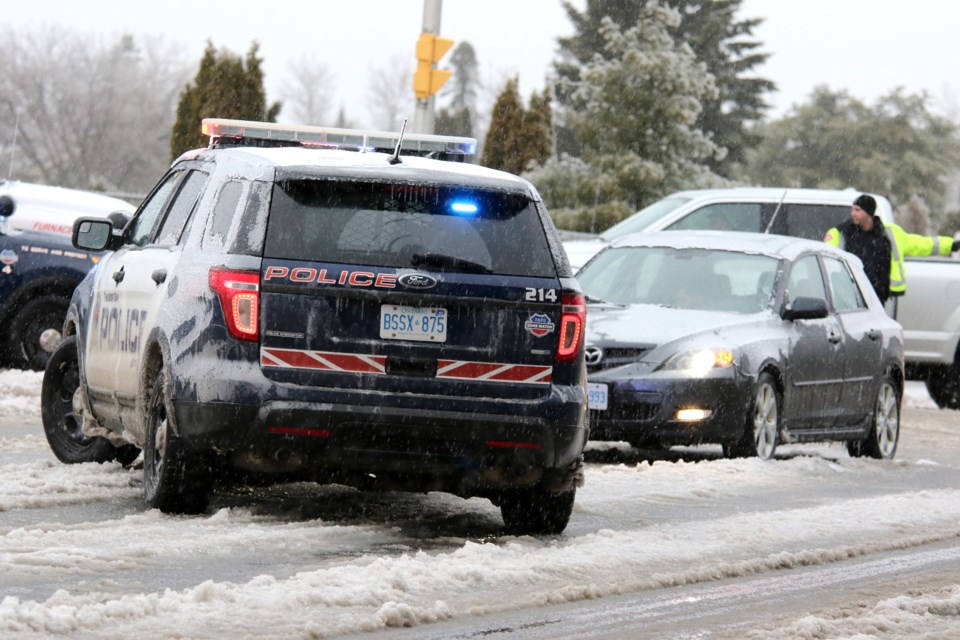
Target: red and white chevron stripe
x: 322, y: 360
x: 446, y: 369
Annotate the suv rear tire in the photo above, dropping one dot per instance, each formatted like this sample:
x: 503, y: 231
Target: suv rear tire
x: 173, y: 481
x: 536, y: 511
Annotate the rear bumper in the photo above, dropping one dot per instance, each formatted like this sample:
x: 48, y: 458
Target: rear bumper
x: 468, y: 446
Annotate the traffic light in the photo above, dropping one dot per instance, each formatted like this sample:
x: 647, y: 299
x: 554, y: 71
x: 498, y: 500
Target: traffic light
x: 427, y: 80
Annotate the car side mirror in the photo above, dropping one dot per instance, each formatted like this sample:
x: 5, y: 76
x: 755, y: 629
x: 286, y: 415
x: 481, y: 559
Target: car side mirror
x: 804, y: 308
x: 7, y: 206
x: 93, y: 234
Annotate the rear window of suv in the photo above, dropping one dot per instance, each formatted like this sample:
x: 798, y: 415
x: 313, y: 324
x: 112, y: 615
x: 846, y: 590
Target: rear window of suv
x: 407, y: 225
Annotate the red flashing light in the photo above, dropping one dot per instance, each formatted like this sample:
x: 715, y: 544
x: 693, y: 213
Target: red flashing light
x: 509, y: 444
x: 239, y: 293
x: 299, y: 431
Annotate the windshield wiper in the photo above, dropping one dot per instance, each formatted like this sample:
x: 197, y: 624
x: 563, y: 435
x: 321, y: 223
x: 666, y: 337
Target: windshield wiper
x: 440, y: 260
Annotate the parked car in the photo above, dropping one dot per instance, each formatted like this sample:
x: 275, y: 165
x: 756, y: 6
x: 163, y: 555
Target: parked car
x: 294, y: 303
x: 739, y: 339
x: 929, y: 312
x: 38, y: 272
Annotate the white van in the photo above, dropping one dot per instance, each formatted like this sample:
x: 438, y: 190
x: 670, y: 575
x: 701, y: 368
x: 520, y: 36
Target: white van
x: 53, y: 209
x: 804, y: 213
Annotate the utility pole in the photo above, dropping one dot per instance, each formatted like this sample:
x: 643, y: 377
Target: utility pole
x: 427, y: 80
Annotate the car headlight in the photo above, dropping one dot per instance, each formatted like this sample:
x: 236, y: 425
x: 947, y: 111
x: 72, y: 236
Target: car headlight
x: 699, y: 362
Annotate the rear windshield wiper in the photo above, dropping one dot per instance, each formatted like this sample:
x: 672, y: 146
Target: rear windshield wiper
x: 440, y: 261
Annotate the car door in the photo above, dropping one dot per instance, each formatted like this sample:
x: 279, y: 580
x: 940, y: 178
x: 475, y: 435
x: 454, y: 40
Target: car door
x: 113, y: 329
x: 864, y: 343
x: 142, y: 275
x: 814, y: 370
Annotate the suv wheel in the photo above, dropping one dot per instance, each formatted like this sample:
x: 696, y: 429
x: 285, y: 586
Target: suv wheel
x: 537, y: 511
x: 173, y: 481
x: 61, y: 424
x: 35, y: 331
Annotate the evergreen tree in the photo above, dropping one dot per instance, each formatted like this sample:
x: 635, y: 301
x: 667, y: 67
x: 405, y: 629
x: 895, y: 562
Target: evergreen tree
x: 464, y: 85
x: 633, y: 113
x: 453, y: 122
x: 502, y: 144
x: 226, y: 86
x: 724, y: 44
x: 896, y: 148
x: 536, y: 138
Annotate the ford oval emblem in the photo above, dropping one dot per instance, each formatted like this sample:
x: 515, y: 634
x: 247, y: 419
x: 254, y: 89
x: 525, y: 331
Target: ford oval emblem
x: 417, y: 281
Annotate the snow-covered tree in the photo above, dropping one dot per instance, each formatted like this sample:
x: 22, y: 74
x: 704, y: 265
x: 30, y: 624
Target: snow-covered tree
x: 718, y: 39
x: 390, y: 91
x: 633, y: 114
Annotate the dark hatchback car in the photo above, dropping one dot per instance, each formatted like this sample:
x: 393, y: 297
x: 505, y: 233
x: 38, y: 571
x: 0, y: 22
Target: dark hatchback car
x: 294, y: 304
x: 739, y: 339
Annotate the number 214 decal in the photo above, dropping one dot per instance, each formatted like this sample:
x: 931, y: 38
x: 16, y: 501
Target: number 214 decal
x: 541, y: 295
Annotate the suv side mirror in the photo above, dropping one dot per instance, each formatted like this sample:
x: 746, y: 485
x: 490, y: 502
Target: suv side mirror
x: 7, y: 206
x: 92, y: 234
x: 805, y: 309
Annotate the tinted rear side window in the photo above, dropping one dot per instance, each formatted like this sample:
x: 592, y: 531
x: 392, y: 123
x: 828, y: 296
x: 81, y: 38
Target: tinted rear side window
x: 811, y: 221
x: 397, y: 225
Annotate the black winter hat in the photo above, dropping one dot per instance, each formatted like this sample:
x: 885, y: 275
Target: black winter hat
x: 867, y: 203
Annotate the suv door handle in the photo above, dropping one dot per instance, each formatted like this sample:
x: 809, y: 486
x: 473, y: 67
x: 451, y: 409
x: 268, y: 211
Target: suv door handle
x: 834, y: 337
x: 159, y: 275
x: 118, y: 275
x: 874, y: 334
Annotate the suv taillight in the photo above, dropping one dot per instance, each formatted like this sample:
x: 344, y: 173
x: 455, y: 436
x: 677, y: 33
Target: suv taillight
x: 571, y: 325
x: 239, y: 293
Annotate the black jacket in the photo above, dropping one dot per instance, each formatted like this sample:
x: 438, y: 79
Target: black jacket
x: 873, y: 249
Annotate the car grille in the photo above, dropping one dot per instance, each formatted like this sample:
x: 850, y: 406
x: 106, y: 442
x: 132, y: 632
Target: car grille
x: 641, y: 412
x: 617, y: 357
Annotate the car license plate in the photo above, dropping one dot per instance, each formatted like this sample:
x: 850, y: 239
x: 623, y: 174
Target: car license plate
x: 425, y: 324
x: 597, y: 395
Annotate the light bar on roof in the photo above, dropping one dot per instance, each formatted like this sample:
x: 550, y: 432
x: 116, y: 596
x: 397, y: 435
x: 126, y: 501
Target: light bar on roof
x: 238, y: 131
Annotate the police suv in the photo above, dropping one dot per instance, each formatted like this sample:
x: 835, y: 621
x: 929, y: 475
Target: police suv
x: 336, y: 306
x: 38, y: 272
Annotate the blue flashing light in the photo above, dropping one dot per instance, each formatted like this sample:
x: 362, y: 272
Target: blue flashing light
x: 463, y: 208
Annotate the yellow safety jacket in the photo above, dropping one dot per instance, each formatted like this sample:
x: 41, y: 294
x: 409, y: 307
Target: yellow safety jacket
x: 901, y: 244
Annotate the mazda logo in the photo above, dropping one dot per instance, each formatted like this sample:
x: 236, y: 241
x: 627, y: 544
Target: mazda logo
x: 593, y: 355
x: 417, y: 281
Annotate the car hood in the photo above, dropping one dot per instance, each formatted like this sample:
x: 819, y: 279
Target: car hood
x: 654, y: 325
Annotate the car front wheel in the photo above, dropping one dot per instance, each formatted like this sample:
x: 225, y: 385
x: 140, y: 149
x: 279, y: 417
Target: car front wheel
x: 884, y: 434
x: 762, y: 431
x: 61, y: 424
x: 173, y: 480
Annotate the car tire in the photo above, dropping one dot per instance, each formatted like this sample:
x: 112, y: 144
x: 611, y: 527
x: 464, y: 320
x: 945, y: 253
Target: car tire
x: 762, y: 432
x: 881, y: 442
x: 61, y: 424
x: 173, y: 481
x: 944, y: 387
x: 536, y: 511
x: 35, y: 330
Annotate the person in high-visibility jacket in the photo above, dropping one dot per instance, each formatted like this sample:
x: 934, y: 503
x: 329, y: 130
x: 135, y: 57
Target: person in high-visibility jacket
x: 859, y: 234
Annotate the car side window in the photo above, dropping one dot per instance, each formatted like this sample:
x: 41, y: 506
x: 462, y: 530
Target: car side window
x: 152, y: 209
x: 183, y: 204
x: 806, y: 280
x: 846, y: 293
x: 728, y: 216
x: 224, y: 213
x: 811, y: 221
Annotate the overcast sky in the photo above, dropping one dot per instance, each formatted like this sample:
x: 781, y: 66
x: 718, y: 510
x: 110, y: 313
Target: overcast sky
x: 866, y: 46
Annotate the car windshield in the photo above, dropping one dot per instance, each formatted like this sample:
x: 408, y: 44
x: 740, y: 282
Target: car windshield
x: 701, y: 279
x: 643, y: 218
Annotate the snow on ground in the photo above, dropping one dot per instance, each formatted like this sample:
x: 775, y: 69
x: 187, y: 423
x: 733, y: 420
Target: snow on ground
x: 353, y: 593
